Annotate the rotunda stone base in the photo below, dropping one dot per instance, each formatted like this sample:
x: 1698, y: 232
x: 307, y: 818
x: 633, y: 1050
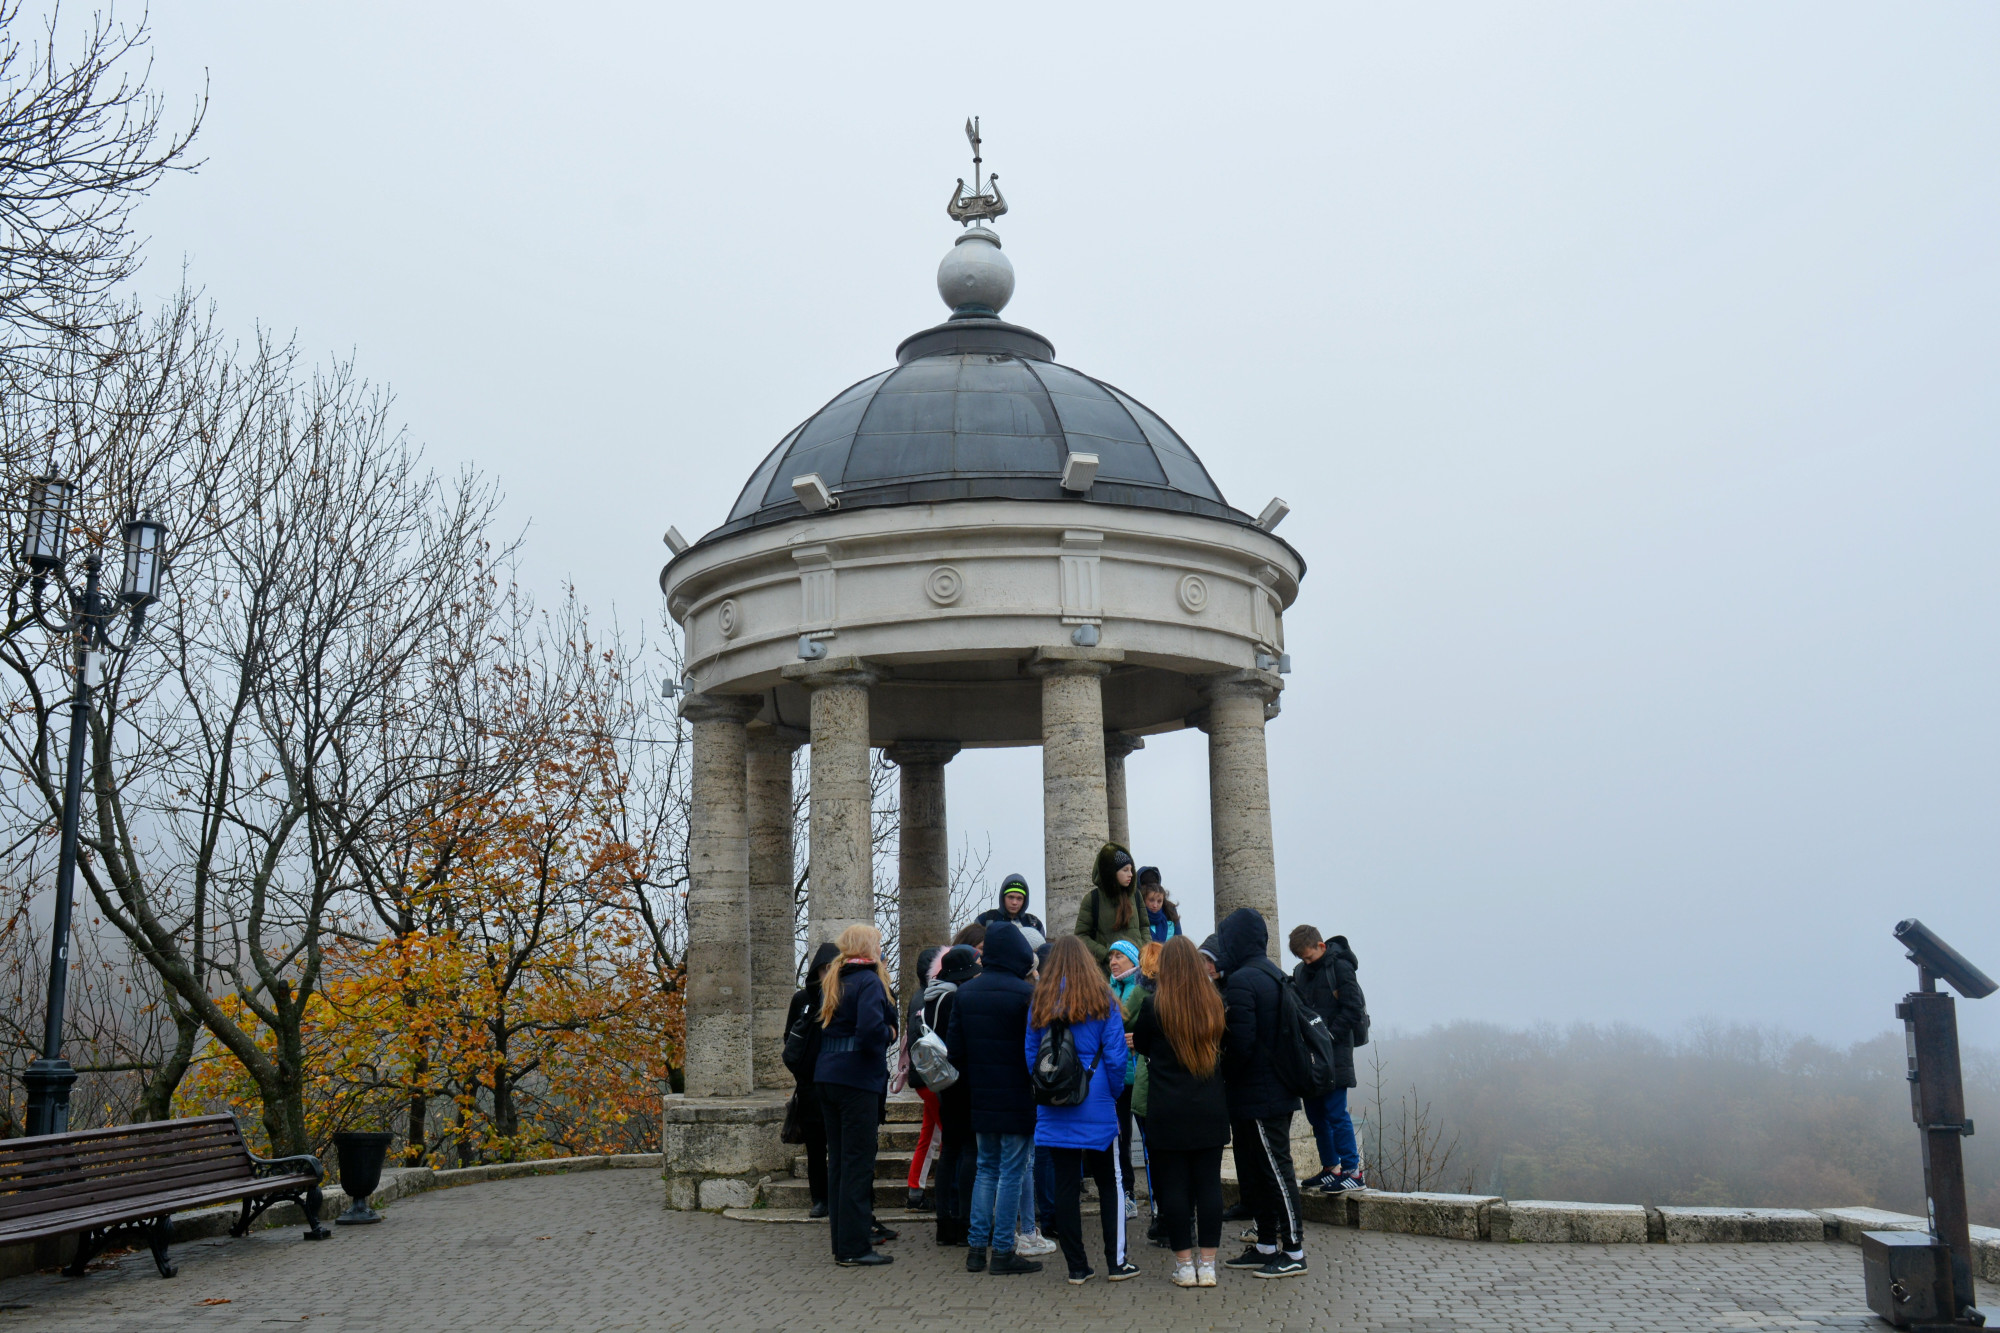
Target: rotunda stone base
x: 717, y: 1148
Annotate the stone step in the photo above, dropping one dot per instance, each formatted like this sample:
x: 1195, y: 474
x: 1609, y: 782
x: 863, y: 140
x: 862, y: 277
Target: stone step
x: 782, y: 1193
x: 888, y: 1166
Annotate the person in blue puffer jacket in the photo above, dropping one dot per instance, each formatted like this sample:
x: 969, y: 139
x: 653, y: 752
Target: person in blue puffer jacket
x: 1072, y: 993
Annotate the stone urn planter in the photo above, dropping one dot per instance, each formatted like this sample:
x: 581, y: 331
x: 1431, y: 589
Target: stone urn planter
x: 361, y: 1157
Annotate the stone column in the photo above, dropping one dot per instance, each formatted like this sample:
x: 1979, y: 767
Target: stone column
x: 1074, y: 822
x: 773, y: 949
x: 717, y: 1059
x: 923, y: 861
x: 1239, y: 796
x: 1117, y: 811
x: 842, y: 888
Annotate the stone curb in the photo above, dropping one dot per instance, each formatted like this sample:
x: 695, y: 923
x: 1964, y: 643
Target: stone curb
x: 397, y: 1183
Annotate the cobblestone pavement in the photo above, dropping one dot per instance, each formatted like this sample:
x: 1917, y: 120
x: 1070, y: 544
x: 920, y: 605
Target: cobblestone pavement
x: 597, y: 1251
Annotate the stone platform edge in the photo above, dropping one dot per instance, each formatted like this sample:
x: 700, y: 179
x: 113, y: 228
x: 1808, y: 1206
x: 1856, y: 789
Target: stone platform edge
x: 397, y: 1183
x: 1547, y: 1221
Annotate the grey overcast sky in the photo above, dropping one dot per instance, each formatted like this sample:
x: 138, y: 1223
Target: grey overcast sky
x: 1630, y: 371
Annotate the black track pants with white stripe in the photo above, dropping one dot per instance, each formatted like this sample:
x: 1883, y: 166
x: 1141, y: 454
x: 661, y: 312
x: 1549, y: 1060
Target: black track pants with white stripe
x: 1269, y: 1182
x: 1071, y: 1164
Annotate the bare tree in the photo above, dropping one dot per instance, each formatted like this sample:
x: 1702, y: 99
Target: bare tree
x: 83, y: 138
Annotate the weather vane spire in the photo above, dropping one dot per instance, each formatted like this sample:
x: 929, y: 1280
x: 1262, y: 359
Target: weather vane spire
x: 979, y: 206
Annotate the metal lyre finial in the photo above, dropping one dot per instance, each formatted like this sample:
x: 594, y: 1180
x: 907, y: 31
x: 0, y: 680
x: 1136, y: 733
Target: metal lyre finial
x: 985, y: 201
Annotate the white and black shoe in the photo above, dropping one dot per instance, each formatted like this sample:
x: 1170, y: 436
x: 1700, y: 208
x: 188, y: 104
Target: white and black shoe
x: 1119, y: 1272
x: 1252, y: 1258
x: 1079, y: 1276
x: 1282, y: 1265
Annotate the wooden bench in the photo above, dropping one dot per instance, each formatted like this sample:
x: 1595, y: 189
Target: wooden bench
x: 102, y: 1183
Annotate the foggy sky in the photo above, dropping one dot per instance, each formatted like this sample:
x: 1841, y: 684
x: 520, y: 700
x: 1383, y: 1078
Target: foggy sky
x: 1629, y: 371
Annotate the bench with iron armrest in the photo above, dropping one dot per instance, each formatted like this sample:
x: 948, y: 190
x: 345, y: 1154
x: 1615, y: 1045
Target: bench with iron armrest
x: 101, y: 1184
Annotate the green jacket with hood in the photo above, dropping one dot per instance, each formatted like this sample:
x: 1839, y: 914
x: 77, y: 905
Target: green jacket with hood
x: 1097, y: 917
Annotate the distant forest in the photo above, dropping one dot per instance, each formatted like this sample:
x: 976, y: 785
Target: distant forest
x: 1720, y: 1115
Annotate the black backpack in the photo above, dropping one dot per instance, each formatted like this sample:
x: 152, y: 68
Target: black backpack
x: 1302, y: 1056
x: 1059, y: 1078
x: 802, y: 1045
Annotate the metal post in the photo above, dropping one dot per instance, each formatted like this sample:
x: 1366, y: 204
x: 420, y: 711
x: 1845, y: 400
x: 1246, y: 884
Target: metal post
x: 1937, y: 1103
x: 49, y: 1079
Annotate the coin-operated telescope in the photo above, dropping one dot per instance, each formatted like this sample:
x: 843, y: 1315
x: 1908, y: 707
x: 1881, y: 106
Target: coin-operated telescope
x: 1918, y: 1280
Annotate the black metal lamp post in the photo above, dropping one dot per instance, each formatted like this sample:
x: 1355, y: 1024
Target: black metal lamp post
x: 90, y: 621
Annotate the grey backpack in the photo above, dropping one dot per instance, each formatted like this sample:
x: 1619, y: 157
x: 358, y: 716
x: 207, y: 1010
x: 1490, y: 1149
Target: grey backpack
x: 928, y: 1054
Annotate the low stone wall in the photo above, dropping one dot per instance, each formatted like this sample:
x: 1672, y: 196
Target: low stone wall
x: 397, y: 1183
x: 718, y: 1148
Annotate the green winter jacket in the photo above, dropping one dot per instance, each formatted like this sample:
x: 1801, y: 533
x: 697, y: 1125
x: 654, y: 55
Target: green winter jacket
x: 1131, y: 995
x: 1097, y: 915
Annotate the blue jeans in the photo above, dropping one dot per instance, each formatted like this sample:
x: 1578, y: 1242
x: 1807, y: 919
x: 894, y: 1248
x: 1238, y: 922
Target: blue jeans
x: 996, y: 1190
x: 1333, y: 1131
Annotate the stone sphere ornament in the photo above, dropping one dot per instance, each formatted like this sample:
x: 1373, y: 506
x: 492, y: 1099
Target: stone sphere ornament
x: 975, y: 278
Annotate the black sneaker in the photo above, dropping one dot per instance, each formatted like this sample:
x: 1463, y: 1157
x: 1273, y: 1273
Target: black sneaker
x: 1350, y: 1180
x: 914, y: 1200
x: 1251, y: 1258
x: 879, y: 1233
x: 1322, y: 1182
x: 872, y: 1259
x: 975, y: 1259
x: 1281, y: 1265
x: 1079, y: 1276
x: 1119, y: 1272
x: 818, y: 1209
x: 1006, y: 1263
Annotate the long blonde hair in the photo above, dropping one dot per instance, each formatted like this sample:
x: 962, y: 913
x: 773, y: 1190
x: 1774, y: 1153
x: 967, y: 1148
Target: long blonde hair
x: 856, y: 942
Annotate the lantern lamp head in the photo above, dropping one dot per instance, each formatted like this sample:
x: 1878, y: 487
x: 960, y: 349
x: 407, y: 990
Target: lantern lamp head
x: 145, y: 548
x: 48, y: 523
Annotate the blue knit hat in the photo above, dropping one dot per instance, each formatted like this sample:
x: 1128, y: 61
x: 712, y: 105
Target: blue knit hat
x: 1127, y: 948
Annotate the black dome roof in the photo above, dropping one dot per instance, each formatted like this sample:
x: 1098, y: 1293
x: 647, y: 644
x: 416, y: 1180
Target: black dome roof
x: 978, y: 409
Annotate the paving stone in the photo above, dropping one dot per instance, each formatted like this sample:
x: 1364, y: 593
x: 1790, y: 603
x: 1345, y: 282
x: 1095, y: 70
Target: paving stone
x: 597, y: 1251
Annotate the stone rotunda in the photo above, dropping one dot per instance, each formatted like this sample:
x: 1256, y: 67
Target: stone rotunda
x: 976, y: 547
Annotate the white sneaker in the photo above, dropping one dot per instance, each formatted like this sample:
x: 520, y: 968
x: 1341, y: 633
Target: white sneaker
x: 1032, y: 1243
x: 1204, y: 1275
x: 1184, y: 1275
x: 1131, y: 1207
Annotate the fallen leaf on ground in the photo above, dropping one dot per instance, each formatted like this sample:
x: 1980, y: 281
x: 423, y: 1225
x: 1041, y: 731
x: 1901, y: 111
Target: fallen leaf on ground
x: 214, y: 1300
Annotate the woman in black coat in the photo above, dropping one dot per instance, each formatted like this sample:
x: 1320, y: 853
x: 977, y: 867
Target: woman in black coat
x: 857, y: 1029
x: 805, y: 1002
x: 1180, y: 1030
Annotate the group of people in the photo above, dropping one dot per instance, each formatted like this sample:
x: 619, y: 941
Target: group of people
x: 1049, y: 1055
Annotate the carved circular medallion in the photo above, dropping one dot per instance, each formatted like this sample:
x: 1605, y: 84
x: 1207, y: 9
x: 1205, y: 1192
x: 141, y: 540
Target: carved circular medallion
x: 728, y: 619
x: 944, y: 585
x: 1193, y: 593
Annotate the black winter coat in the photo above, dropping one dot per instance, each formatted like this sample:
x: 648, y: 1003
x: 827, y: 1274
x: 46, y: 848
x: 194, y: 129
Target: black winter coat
x: 806, y: 1000
x: 1330, y: 987
x: 988, y: 1036
x: 854, y: 1047
x: 1250, y: 990
x: 1182, y: 1111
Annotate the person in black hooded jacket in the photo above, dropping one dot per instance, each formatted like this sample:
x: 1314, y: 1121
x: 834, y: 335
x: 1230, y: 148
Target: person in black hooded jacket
x: 1327, y: 983
x: 988, y: 1043
x: 957, y: 1159
x: 805, y: 1001
x: 1016, y: 888
x: 1260, y: 1109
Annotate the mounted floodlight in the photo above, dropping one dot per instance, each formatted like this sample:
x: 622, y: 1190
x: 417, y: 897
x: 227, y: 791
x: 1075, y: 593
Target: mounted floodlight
x: 1079, y: 471
x: 145, y: 544
x: 675, y: 542
x: 48, y: 522
x: 813, y: 494
x: 1274, y: 514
